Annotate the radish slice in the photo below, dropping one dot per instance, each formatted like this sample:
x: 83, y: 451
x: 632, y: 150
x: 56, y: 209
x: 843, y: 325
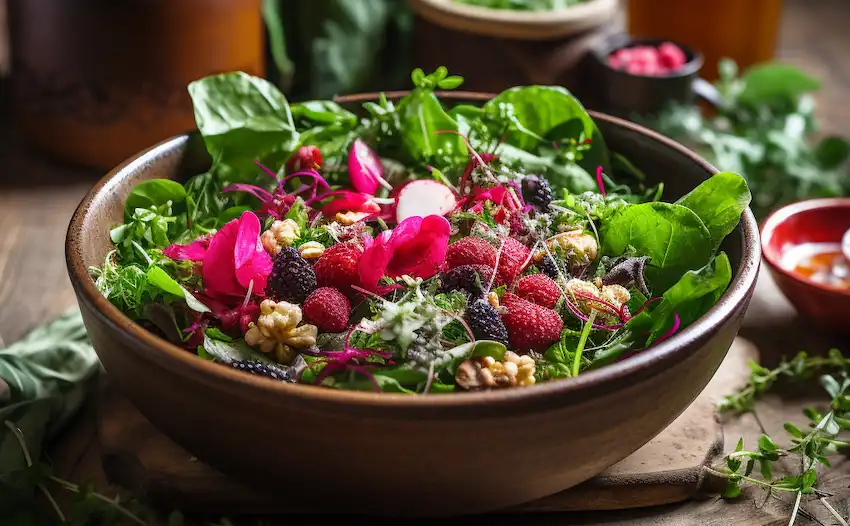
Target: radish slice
x: 423, y: 198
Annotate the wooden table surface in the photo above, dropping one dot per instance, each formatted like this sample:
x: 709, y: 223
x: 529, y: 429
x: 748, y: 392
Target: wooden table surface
x: 38, y: 195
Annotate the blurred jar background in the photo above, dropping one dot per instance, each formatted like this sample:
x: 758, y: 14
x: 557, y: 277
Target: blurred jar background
x: 94, y: 81
x: 743, y: 30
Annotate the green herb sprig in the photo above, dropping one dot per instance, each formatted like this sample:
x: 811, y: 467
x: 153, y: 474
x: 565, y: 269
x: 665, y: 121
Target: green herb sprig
x: 810, y: 447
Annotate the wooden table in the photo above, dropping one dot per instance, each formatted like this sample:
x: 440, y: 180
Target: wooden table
x: 37, y: 197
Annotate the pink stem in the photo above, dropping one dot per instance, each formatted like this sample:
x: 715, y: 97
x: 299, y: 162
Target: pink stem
x: 676, y: 323
x: 599, y: 180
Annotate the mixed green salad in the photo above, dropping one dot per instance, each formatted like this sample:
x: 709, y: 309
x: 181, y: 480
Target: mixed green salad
x: 416, y: 246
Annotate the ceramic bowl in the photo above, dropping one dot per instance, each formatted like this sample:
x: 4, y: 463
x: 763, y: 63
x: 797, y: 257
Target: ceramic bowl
x: 393, y: 454
x: 812, y: 221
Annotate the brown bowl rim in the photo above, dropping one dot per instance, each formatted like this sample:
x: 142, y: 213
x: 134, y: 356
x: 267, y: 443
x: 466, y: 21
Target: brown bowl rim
x: 536, y: 398
x: 779, y: 216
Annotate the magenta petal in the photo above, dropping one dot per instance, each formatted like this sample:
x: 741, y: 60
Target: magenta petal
x: 217, y: 271
x: 364, y: 168
x: 251, y: 261
x: 373, y: 262
x: 420, y: 253
x: 194, y: 251
x: 353, y: 202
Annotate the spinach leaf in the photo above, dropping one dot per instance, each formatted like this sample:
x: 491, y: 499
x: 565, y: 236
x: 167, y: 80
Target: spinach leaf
x: 532, y: 112
x: 47, y: 373
x: 155, y: 192
x: 233, y: 351
x: 422, y: 116
x: 568, y: 175
x: 719, y: 202
x: 243, y: 118
x: 386, y: 384
x: 673, y: 236
x: 691, y: 297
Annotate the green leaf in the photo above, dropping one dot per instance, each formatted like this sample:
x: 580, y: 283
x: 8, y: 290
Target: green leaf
x: 161, y: 279
x: 765, y: 83
x: 793, y: 430
x: 732, y: 489
x: 673, y: 236
x: 243, y: 118
x: 831, y: 385
x: 422, y: 116
x: 832, y: 152
x: 691, y: 297
x: 451, y: 82
x: 532, y: 111
x: 719, y: 201
x: 809, y: 479
x: 298, y: 213
x: 155, y: 192
x: 216, y: 334
x: 323, y: 112
x: 452, y: 358
x: 767, y: 444
x: 234, y: 351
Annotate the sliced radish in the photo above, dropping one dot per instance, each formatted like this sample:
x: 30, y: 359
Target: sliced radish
x: 424, y: 198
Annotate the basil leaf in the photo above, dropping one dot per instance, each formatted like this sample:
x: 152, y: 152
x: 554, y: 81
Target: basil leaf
x: 673, y: 236
x: 719, y: 201
x: 243, y: 118
x: 155, y: 192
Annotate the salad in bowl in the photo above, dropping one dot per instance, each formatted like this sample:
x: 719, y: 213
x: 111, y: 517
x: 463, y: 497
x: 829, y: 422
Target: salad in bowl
x: 419, y: 247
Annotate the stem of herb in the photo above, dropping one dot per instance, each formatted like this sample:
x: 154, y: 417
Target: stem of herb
x: 796, y: 509
x: 585, y: 332
x: 382, y: 224
x: 112, y: 502
x: 19, y: 436
x: 834, y: 513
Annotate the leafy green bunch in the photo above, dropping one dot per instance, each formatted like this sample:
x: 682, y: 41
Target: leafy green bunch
x: 765, y: 129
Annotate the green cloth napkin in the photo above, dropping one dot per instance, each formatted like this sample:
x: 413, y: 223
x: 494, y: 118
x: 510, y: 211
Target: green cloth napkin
x: 43, y: 382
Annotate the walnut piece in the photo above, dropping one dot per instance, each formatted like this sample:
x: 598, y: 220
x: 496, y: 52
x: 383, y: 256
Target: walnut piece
x: 616, y: 295
x: 579, y: 247
x: 280, y: 234
x: 277, y: 330
x: 485, y: 372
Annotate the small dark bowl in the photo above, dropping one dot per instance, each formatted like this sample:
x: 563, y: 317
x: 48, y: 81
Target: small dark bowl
x: 393, y: 454
x: 625, y: 94
x: 812, y: 221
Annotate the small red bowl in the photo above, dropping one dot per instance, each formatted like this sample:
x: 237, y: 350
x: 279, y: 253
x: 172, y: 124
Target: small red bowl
x: 812, y: 221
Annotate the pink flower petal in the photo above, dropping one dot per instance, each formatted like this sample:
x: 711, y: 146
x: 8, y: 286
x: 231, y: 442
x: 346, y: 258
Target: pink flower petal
x: 420, y: 253
x: 217, y: 271
x: 364, y: 168
x: 194, y: 251
x: 351, y: 202
x: 251, y: 261
x: 376, y: 255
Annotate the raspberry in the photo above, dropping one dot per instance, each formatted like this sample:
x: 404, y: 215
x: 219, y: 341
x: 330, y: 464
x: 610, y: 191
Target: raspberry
x: 671, y: 56
x: 470, y: 251
x: 328, y: 309
x: 337, y: 268
x: 259, y: 368
x: 536, y: 191
x: 292, y: 278
x: 469, y: 278
x: 530, y: 326
x: 539, y: 289
x: 485, y: 322
x: 514, y: 255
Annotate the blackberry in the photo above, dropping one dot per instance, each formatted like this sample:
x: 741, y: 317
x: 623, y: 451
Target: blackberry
x: 549, y: 266
x: 485, y: 322
x: 467, y: 278
x: 536, y: 191
x: 292, y: 278
x: 259, y: 368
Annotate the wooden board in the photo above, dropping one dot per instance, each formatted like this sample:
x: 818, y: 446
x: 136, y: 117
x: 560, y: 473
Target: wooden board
x: 667, y: 469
